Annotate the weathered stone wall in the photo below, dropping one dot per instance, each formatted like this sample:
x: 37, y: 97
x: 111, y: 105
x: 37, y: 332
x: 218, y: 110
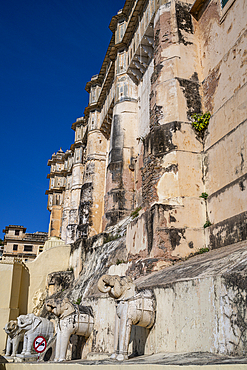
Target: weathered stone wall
x: 171, y: 157
x: 222, y: 38
x: 90, y: 258
x: 93, y: 188
x: 200, y: 302
x: 140, y: 149
x: 119, y: 194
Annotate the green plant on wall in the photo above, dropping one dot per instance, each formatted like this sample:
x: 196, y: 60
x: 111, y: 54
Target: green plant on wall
x: 200, y: 121
x: 207, y: 224
x: 204, y: 196
x: 119, y: 262
x: 78, y: 301
x: 135, y: 213
x: 203, y: 250
x: 111, y: 237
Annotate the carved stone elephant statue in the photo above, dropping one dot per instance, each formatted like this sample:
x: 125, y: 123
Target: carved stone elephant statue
x: 73, y: 319
x: 15, y: 335
x: 132, y: 308
x: 33, y: 326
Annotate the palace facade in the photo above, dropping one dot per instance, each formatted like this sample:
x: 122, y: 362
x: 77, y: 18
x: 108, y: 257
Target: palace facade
x: 135, y: 148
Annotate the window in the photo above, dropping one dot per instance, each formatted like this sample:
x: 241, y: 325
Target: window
x: 93, y: 95
x: 225, y: 6
x: 15, y: 247
x: 223, y: 3
x: 17, y: 232
x: 28, y: 248
x: 121, y: 30
x: 41, y: 248
x: 121, y: 62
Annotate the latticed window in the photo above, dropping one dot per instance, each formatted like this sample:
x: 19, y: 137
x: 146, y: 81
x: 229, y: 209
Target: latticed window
x: 120, y: 31
x: 121, y: 62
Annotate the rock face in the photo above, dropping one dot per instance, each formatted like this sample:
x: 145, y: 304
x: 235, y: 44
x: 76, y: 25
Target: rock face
x: 96, y: 257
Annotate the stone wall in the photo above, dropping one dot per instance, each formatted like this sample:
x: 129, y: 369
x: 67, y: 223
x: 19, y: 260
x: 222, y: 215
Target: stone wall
x: 200, y: 302
x: 140, y: 150
x: 223, y: 74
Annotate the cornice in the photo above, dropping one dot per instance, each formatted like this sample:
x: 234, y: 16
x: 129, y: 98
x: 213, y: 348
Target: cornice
x: 80, y: 121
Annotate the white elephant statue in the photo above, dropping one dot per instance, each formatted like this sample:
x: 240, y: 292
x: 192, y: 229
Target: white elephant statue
x: 132, y: 308
x: 73, y: 319
x: 34, y: 326
x: 15, y: 336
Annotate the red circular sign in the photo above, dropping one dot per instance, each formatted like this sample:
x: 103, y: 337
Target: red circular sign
x: 39, y: 344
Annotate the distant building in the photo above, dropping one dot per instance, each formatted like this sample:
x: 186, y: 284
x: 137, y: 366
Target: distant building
x: 18, y: 243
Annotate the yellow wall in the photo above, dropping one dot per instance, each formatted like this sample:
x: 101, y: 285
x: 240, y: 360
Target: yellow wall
x: 13, y: 292
x: 19, y: 283
x: 54, y: 259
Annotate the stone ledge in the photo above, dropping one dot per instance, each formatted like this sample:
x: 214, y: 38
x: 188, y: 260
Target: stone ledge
x: 173, y: 361
x: 213, y: 263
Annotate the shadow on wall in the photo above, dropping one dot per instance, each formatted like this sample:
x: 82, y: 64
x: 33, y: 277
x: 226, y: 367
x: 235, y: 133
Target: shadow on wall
x: 138, y: 338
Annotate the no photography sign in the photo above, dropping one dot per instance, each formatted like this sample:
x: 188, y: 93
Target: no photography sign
x: 39, y: 344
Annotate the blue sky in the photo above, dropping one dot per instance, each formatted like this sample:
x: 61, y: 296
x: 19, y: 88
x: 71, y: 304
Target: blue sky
x: 49, y: 50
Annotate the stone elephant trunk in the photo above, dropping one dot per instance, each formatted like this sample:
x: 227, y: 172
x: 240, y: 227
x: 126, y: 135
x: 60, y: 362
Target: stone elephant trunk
x: 111, y: 284
x: 132, y: 308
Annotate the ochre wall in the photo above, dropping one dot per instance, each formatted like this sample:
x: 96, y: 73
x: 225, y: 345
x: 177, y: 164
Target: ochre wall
x: 222, y: 36
x: 54, y: 259
x: 13, y: 292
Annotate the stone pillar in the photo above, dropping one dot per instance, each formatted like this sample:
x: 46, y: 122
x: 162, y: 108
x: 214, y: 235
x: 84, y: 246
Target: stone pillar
x: 172, y: 151
x: 92, y: 190
x: 71, y: 212
x: 119, y: 198
x: 56, y: 193
x: 75, y: 191
x: 172, y: 179
x: 55, y: 221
